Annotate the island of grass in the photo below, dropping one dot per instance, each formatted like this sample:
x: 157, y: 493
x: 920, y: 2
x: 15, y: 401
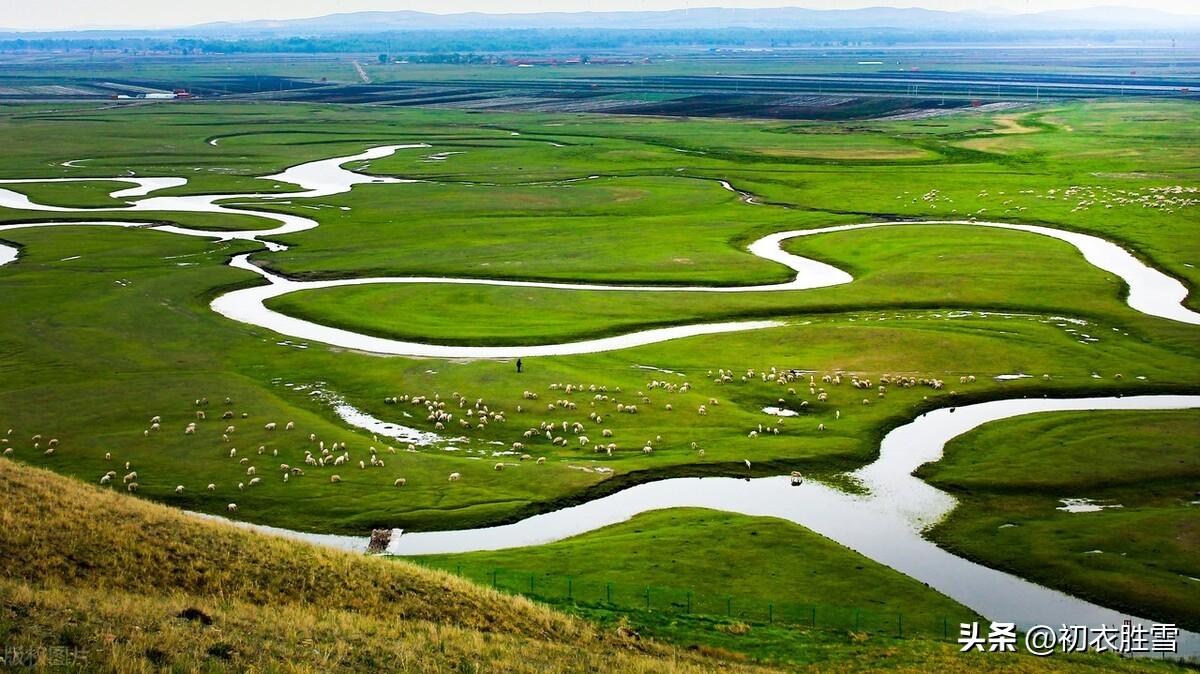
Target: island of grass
x: 1103, y: 505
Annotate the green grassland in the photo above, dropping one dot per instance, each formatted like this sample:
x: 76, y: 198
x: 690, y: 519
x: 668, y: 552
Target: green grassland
x: 762, y: 561
x: 645, y: 223
x: 110, y: 327
x: 1011, y: 476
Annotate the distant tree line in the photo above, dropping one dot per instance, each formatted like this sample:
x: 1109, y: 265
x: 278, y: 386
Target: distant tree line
x: 474, y: 42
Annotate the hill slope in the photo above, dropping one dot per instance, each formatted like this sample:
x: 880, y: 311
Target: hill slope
x: 114, y: 583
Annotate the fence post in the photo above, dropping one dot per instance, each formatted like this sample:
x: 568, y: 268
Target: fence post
x: 570, y: 589
x: 945, y: 628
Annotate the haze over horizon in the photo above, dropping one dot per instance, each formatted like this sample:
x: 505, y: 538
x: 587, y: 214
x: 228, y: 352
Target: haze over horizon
x: 88, y: 14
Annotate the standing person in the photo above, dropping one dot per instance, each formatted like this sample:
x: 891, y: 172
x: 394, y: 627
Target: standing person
x: 518, y: 366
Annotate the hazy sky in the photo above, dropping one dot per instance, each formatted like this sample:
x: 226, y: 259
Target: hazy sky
x: 59, y: 14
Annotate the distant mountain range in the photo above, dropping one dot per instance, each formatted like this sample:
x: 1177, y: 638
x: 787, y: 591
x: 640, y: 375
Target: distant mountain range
x: 709, y: 18
x: 781, y: 18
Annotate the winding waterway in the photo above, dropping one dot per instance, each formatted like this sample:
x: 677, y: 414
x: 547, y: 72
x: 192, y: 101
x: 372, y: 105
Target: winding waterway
x: 884, y: 525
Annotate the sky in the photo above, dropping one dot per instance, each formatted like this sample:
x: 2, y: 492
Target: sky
x: 72, y: 14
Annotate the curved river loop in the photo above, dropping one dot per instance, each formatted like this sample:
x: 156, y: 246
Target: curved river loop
x: 885, y: 524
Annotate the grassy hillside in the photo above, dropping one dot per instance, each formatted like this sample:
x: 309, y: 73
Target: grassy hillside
x: 109, y: 578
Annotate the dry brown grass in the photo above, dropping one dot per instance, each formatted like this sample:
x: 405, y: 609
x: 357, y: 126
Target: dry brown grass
x: 109, y: 574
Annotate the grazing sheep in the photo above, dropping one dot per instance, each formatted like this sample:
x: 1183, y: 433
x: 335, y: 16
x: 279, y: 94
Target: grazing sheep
x: 241, y: 486
x: 178, y: 489
x: 105, y: 479
x: 747, y: 461
x: 820, y: 427
x: 211, y: 487
x: 108, y: 456
x: 49, y: 451
x: 132, y: 487
x: 200, y: 415
x: 291, y: 425
x: 335, y: 478
x: 232, y: 452
x: 400, y: 482
x: 499, y: 466
x: 541, y: 459
x: 251, y: 470
x: 254, y: 481
x: 455, y: 477
x: 267, y: 427
x: 232, y: 507
x: 607, y: 433
x: 583, y: 440
x: 155, y: 419
x: 130, y: 477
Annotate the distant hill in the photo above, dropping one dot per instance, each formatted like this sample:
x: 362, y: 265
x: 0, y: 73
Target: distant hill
x: 1114, y: 18
x: 780, y: 18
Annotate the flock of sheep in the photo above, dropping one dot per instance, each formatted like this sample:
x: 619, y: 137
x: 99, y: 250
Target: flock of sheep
x: 569, y: 428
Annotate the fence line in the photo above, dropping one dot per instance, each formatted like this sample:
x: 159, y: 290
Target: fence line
x: 554, y: 588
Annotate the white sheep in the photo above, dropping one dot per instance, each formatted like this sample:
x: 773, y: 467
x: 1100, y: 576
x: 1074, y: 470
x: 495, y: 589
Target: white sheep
x: 335, y: 478
x: 290, y: 426
x: 455, y: 477
x: 232, y: 507
x: 499, y: 466
x: 212, y: 487
x: 268, y: 427
x: 178, y: 489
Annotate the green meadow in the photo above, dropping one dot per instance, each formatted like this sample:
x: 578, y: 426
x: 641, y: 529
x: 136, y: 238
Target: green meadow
x: 107, y: 328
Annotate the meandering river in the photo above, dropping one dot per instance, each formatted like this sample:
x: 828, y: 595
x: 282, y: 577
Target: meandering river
x: 885, y: 524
